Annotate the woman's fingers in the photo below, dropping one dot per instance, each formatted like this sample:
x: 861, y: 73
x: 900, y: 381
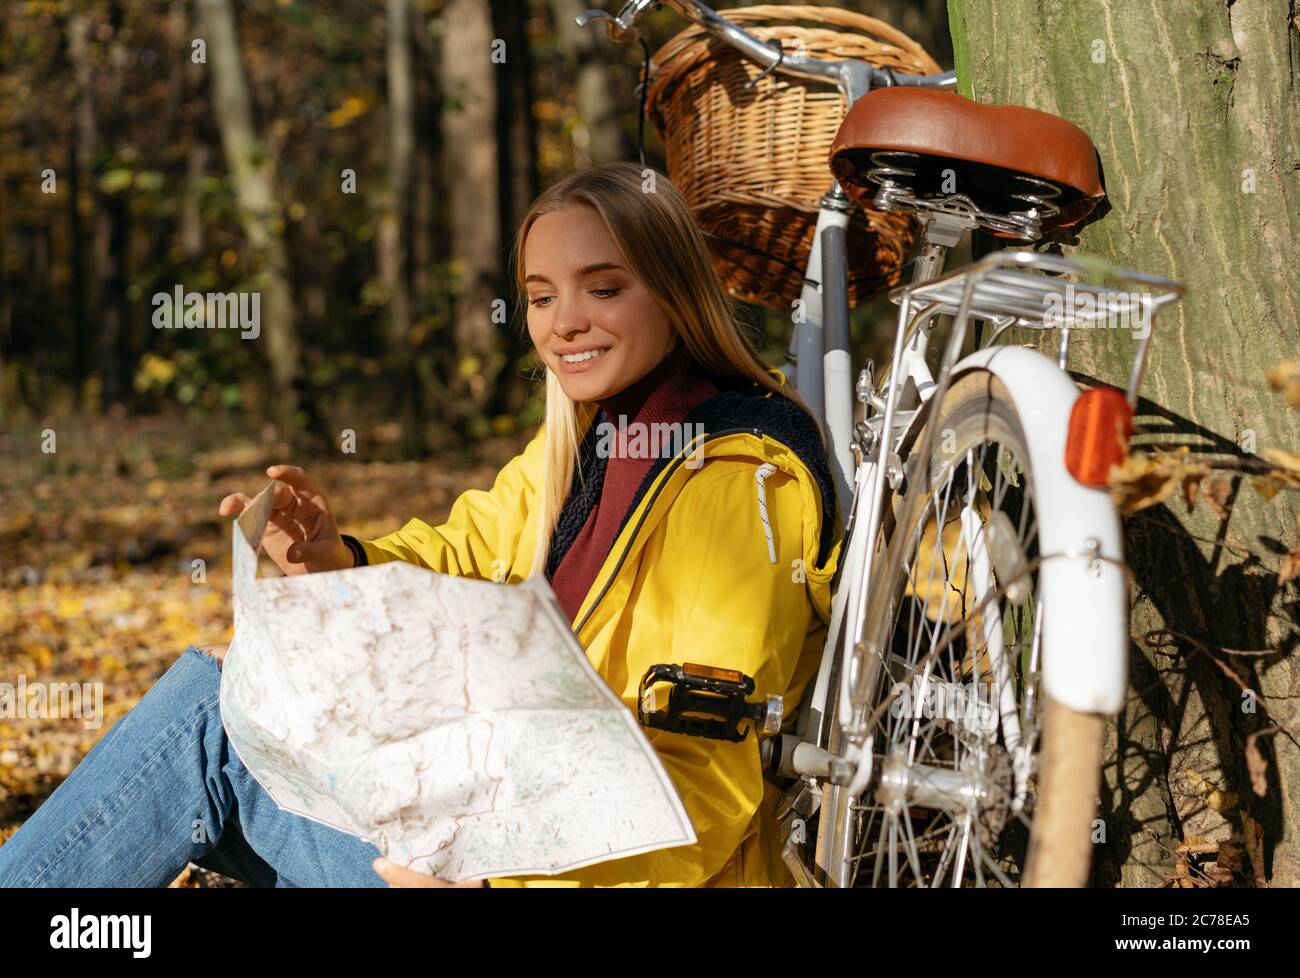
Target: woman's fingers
x: 288, y: 525
x: 283, y: 498
x: 237, y: 502
x: 233, y: 504
x: 294, y: 475
x: 300, y: 499
x: 299, y: 512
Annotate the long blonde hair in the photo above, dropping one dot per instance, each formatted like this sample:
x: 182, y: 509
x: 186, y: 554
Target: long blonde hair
x: 651, y: 223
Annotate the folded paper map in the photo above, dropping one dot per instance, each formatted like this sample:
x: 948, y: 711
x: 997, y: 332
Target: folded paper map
x: 455, y: 724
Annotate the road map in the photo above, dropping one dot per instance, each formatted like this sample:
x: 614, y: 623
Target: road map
x: 456, y: 724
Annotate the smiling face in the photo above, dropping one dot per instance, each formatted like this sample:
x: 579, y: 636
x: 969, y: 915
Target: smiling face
x: 592, y: 321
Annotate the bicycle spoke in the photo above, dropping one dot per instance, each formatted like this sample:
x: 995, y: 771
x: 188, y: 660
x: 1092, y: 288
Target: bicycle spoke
x: 961, y: 852
x: 1003, y: 878
x: 912, y: 855
x: 939, y: 647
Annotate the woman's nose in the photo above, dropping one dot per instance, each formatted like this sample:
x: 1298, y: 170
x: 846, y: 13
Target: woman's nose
x: 570, y: 321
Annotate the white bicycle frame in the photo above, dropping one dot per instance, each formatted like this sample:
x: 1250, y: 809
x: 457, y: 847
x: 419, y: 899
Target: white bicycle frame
x: 1081, y: 649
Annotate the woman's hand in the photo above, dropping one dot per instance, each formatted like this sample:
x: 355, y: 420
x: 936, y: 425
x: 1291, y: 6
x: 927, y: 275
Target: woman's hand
x: 396, y: 875
x: 301, y: 535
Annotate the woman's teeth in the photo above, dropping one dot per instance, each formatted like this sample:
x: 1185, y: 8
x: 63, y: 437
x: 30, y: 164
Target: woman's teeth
x: 580, y: 357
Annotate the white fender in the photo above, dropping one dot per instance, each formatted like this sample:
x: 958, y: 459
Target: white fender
x: 1085, y: 608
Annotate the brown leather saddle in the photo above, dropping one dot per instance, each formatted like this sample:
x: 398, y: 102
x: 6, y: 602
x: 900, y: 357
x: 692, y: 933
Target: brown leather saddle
x: 1006, y: 159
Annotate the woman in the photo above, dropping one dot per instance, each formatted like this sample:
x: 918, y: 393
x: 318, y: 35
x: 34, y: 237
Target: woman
x: 678, y: 500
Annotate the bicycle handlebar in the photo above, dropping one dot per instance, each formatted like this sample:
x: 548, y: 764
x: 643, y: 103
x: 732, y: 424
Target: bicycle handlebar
x: 853, y: 77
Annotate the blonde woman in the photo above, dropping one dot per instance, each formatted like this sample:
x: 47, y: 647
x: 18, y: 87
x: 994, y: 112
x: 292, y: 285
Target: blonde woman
x: 677, y: 498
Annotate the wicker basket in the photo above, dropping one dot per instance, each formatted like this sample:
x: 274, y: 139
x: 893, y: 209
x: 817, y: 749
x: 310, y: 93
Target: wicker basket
x: 752, y: 163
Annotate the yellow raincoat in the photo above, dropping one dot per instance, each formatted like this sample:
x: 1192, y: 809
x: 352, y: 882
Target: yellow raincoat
x: 690, y: 578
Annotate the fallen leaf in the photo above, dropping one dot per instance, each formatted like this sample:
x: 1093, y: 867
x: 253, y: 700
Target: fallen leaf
x: 1285, y: 377
x: 1290, y: 567
x: 1286, y: 464
x: 1219, y: 799
x: 1252, y: 835
x: 1285, y: 473
x: 1191, y: 489
x: 1256, y: 765
x: 1266, y: 487
x: 1231, y: 856
x: 1217, y: 874
x: 939, y: 569
x: 1216, y: 492
x: 1148, y: 479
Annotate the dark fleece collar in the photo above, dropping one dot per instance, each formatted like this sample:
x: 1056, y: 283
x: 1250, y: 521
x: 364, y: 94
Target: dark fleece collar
x: 741, y: 405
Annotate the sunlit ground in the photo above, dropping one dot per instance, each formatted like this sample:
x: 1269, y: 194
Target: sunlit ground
x: 98, y: 549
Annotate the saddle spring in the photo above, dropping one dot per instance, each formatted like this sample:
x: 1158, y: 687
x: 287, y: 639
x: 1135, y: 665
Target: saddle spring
x: 887, y: 171
x: 1040, y: 195
x: 887, y: 164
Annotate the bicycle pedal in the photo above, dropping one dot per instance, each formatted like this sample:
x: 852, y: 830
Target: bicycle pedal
x: 705, y: 701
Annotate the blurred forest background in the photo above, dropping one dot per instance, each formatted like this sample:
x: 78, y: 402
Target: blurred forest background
x: 362, y: 164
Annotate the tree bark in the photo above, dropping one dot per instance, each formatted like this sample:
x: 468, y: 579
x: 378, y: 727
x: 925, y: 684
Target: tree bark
x: 395, y: 221
x: 515, y: 128
x: 1194, y: 114
x: 469, y: 78
x: 252, y: 170
x: 113, y: 231
x: 516, y: 135
x: 81, y: 178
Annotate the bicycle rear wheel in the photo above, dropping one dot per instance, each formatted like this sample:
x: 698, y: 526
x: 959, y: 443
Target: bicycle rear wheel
x: 979, y: 778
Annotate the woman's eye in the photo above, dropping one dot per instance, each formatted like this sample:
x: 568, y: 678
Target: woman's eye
x: 606, y: 293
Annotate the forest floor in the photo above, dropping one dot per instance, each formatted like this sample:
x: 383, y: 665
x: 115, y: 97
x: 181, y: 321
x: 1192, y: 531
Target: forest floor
x: 98, y: 548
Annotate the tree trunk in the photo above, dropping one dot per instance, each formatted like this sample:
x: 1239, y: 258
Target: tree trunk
x: 516, y: 135
x: 596, y: 139
x: 422, y: 224
x: 1195, y: 116
x: 81, y: 178
x: 470, y: 160
x: 259, y: 209
x: 515, y: 129
x: 395, y: 222
x: 189, y: 95
x: 113, y: 230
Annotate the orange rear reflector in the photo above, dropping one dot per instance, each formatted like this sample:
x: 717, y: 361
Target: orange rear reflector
x: 711, y: 672
x: 1101, y: 424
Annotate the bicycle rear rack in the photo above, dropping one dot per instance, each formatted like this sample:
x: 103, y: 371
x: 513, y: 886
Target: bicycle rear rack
x: 1003, y: 289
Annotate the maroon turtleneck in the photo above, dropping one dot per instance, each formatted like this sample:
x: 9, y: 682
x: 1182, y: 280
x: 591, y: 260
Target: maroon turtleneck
x: 666, y: 394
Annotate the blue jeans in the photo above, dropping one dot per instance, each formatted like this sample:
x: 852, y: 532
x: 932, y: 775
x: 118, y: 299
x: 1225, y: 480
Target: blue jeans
x: 164, y: 788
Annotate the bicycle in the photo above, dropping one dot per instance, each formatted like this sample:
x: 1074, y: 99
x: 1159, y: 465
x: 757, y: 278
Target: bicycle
x: 978, y: 508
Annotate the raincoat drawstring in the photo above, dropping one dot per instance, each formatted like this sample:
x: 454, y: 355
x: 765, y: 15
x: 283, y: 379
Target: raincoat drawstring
x: 760, y: 477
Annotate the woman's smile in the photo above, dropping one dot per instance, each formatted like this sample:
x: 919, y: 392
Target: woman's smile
x: 582, y: 361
